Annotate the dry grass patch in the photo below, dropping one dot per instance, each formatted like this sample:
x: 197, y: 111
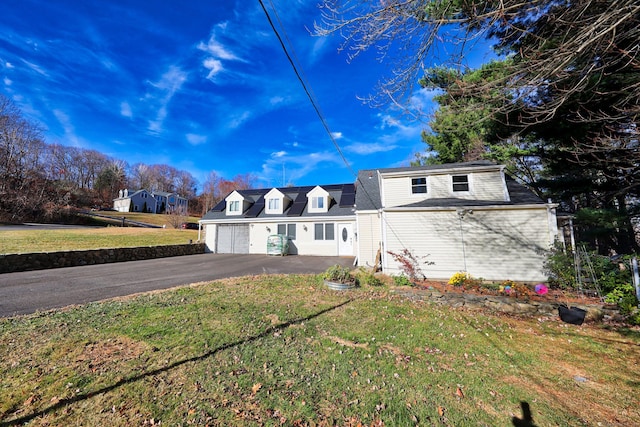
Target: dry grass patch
x: 284, y: 350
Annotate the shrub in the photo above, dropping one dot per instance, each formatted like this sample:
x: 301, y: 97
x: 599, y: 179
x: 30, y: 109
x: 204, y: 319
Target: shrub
x: 410, y: 264
x: 338, y: 273
x: 366, y: 277
x: 402, y: 280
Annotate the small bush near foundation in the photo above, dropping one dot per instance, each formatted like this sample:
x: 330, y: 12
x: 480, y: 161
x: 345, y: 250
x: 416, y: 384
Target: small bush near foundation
x: 402, y: 280
x: 367, y: 278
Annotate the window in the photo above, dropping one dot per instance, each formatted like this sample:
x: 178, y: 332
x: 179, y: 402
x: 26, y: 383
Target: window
x: 460, y: 182
x: 274, y: 204
x: 234, y: 206
x: 288, y: 230
x: 418, y: 185
x: 324, y: 231
x: 317, y: 202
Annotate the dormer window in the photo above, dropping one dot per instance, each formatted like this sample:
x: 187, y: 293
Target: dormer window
x: 275, y: 202
x: 460, y: 183
x: 237, y: 203
x: 318, y: 200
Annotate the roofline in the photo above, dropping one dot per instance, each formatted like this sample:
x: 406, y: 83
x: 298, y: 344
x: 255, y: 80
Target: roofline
x: 460, y: 167
x: 278, y: 219
x: 470, y: 206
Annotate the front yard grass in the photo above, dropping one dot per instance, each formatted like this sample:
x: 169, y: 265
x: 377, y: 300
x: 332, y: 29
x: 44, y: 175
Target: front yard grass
x: 28, y: 241
x: 285, y: 350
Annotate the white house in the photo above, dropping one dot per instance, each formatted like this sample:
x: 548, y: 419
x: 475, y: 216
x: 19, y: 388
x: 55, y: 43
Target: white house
x: 318, y: 220
x: 147, y: 201
x: 467, y: 217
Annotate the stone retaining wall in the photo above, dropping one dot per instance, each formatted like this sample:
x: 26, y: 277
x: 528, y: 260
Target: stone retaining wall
x: 503, y: 304
x: 45, y: 260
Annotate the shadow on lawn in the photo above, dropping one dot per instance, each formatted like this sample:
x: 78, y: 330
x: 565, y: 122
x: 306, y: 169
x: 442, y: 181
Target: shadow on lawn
x: 65, y: 402
x: 526, y: 420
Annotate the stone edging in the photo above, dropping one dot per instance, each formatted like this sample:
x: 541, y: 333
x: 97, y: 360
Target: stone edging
x: 11, y: 263
x: 595, y: 313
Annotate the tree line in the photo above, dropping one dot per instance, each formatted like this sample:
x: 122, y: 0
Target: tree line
x: 559, y: 104
x: 48, y: 182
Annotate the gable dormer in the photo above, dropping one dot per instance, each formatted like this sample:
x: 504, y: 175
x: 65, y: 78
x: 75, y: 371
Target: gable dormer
x: 275, y: 202
x: 318, y: 200
x: 236, y: 204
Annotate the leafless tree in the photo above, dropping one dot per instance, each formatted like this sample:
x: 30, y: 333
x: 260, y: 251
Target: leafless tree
x: 557, y: 48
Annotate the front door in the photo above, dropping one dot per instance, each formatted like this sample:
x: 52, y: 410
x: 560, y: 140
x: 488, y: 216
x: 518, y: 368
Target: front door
x: 345, y: 239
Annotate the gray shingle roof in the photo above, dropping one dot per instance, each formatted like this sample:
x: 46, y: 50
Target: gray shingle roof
x: 368, y: 189
x: 256, y: 196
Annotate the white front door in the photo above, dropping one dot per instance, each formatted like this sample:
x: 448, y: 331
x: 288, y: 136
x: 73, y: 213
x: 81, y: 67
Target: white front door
x: 345, y: 239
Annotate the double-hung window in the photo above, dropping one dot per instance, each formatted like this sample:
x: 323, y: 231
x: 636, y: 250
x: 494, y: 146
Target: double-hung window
x: 288, y: 230
x: 460, y: 182
x: 418, y: 185
x: 274, y: 204
x: 234, y: 206
x: 324, y: 231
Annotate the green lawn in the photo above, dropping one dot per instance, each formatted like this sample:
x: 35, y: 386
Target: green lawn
x: 284, y: 350
x: 27, y: 241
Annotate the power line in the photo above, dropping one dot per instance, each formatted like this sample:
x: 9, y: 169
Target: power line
x: 305, y: 86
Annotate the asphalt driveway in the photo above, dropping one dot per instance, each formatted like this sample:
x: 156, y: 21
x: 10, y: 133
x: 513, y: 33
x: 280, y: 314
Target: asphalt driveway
x: 31, y: 291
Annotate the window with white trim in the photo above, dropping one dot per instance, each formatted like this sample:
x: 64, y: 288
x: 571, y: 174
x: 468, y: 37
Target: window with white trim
x: 324, y: 231
x: 288, y: 230
x: 273, y: 204
x: 419, y: 185
x: 234, y: 206
x: 460, y: 182
x: 317, y: 202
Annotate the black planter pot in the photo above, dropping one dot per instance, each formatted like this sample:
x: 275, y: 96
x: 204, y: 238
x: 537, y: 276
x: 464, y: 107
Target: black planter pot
x: 573, y: 315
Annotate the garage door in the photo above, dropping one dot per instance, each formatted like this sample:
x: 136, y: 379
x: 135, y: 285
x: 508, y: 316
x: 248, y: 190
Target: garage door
x: 233, y: 239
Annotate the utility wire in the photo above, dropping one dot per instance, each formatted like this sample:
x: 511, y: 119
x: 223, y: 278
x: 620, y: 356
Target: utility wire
x: 306, y: 89
x: 308, y: 92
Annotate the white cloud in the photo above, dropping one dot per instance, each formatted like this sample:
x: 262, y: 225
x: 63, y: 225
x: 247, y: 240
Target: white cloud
x: 214, y: 48
x: 67, y: 126
x: 36, y: 68
x: 293, y: 168
x: 364, y: 148
x: 214, y: 66
x: 239, y: 119
x: 337, y: 135
x: 278, y: 154
x: 9, y: 65
x: 195, y: 139
x: 125, y: 109
x: 217, y: 52
x: 7, y: 81
x: 168, y: 85
x: 319, y: 46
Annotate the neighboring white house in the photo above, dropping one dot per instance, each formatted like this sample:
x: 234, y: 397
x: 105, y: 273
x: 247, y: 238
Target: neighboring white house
x: 318, y: 220
x: 464, y: 217
x: 152, y: 202
x: 458, y: 217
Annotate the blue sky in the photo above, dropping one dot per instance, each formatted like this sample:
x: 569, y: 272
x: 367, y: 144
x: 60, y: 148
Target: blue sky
x: 200, y: 85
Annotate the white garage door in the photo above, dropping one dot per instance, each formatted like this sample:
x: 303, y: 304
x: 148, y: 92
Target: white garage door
x: 233, y: 239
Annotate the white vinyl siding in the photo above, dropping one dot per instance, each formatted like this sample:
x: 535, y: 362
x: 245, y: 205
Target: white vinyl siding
x: 397, y: 190
x: 368, y: 232
x: 498, y: 244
